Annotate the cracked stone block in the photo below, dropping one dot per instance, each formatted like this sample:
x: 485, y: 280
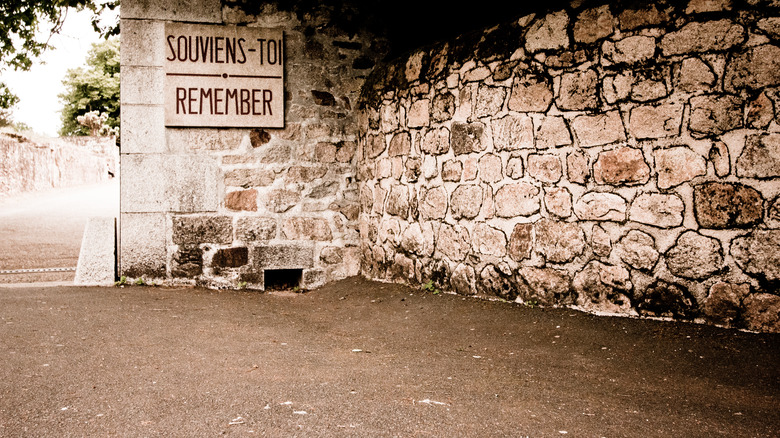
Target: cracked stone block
x: 284, y: 256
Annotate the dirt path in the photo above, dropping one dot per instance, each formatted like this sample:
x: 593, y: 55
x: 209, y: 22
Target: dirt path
x: 44, y: 229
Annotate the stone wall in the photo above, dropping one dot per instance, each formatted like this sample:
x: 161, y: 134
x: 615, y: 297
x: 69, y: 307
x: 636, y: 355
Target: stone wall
x: 220, y: 207
x: 618, y: 160
x: 33, y: 163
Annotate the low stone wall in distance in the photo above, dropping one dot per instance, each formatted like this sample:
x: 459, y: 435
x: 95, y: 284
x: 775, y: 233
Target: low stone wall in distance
x: 622, y: 161
x: 33, y: 163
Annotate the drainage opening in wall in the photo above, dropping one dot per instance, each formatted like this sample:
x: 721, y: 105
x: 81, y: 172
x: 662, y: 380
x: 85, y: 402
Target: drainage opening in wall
x: 282, y: 279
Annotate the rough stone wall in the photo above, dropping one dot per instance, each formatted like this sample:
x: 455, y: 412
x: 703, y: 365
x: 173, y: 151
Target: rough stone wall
x: 221, y: 206
x: 38, y: 163
x: 619, y: 160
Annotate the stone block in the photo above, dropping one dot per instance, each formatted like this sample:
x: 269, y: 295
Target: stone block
x: 489, y: 101
x: 694, y: 75
x: 252, y: 229
x: 703, y: 6
x: 656, y: 209
x: 452, y: 242
x: 597, y: 206
x: 714, y: 115
x: 552, y: 132
x: 760, y: 112
x: 306, y: 228
x: 531, y: 93
x: 400, y: 145
x: 557, y: 201
x: 753, y: 69
x: 443, y: 107
x: 649, y: 121
x: 520, y: 242
x: 467, y: 137
x: 142, y: 86
x: 187, y: 261
x: 593, y: 24
x: 724, y: 303
x: 577, y: 167
x: 762, y: 313
x: 161, y: 183
x: 517, y: 199
x: 281, y: 200
x: 198, y: 11
x: 188, y: 140
x: 143, y: 130
x: 488, y: 240
x: 398, y: 201
x: 600, y: 241
x: 603, y: 287
x: 241, y: 200
x: 451, y: 170
x: 375, y: 145
x: 136, y: 49
x: 637, y: 249
x: 664, y: 299
x: 433, y: 203
x: 559, y: 242
x: 630, y: 50
x: 721, y: 158
x: 695, y: 256
x: 466, y: 201
x: 578, y: 91
x: 599, y: 129
x: 761, y: 157
x: 677, y: 165
x: 284, y: 256
x: 230, y: 257
x: 512, y: 132
x: 249, y: 178
x: 758, y: 254
x: 547, y: 286
x: 727, y: 205
x: 514, y: 168
x: 462, y: 280
x: 548, y: 33
x: 97, y: 257
x: 490, y: 168
x: 545, y: 167
x: 142, y: 249
x: 703, y: 37
x: 202, y: 229
x: 419, y: 114
x: 642, y: 15
x: 623, y: 165
x: 436, y: 141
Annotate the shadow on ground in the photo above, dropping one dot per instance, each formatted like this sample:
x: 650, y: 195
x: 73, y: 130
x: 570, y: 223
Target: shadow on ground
x: 358, y: 358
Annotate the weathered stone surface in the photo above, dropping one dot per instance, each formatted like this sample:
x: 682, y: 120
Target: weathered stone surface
x: 413, y: 169
x: 727, y: 205
x: 666, y: 299
x: 443, y: 107
x: 677, y: 165
x: 332, y: 255
x: 724, y: 303
x: 546, y: 286
x: 303, y: 174
x: 398, y: 201
x: 761, y: 157
x: 245, y: 200
x: 603, y: 287
x: 306, y: 228
x: 470, y: 168
x: 552, y: 132
x: 531, y: 93
x: 598, y: 129
x: 231, y: 257
x: 517, y: 199
x: 545, y: 167
x: 623, y: 165
x: 695, y: 256
x: 630, y: 50
x: 760, y: 112
x: 142, y: 245
x: 593, y: 25
x: 771, y: 26
x: 641, y: 16
x: 659, y: 210
x: 758, y: 254
x: 281, y: 200
x: 251, y: 229
x: 452, y: 170
x: 714, y: 115
x: 578, y: 91
x: 559, y: 242
x: 419, y: 114
x: 490, y: 100
x: 490, y: 169
x: 755, y: 68
x: 655, y: 121
x: 512, y: 132
x: 187, y: 262
x: 462, y: 280
x: 452, y: 242
x: 400, y: 145
x: 694, y: 75
x: 488, y: 240
x: 375, y: 145
x: 637, y: 249
x: 600, y: 241
x: 548, y: 33
x: 493, y: 281
x: 701, y: 6
x: 436, y: 141
x: 773, y: 213
x: 720, y: 158
x: 284, y: 256
x: 466, y: 201
x: 703, y: 37
x: 596, y: 206
x: 577, y: 167
x: 202, y: 229
x: 557, y: 201
x: 467, y: 137
x: 249, y: 178
x: 514, y: 168
x: 390, y: 231
x: 430, y: 167
x: 380, y: 195
x: 389, y: 117
x: 433, y: 203
x: 325, y: 152
x: 762, y: 313
x: 521, y: 242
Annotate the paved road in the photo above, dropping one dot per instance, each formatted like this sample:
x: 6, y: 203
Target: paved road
x: 363, y: 359
x: 44, y: 229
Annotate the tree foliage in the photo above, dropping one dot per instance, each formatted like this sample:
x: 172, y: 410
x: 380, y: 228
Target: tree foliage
x: 93, y: 88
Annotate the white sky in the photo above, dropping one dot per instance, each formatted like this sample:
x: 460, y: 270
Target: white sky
x: 38, y: 88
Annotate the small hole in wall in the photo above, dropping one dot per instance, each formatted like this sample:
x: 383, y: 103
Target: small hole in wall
x: 282, y: 279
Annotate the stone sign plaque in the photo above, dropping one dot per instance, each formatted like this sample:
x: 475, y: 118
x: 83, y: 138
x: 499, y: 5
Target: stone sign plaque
x: 223, y: 76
